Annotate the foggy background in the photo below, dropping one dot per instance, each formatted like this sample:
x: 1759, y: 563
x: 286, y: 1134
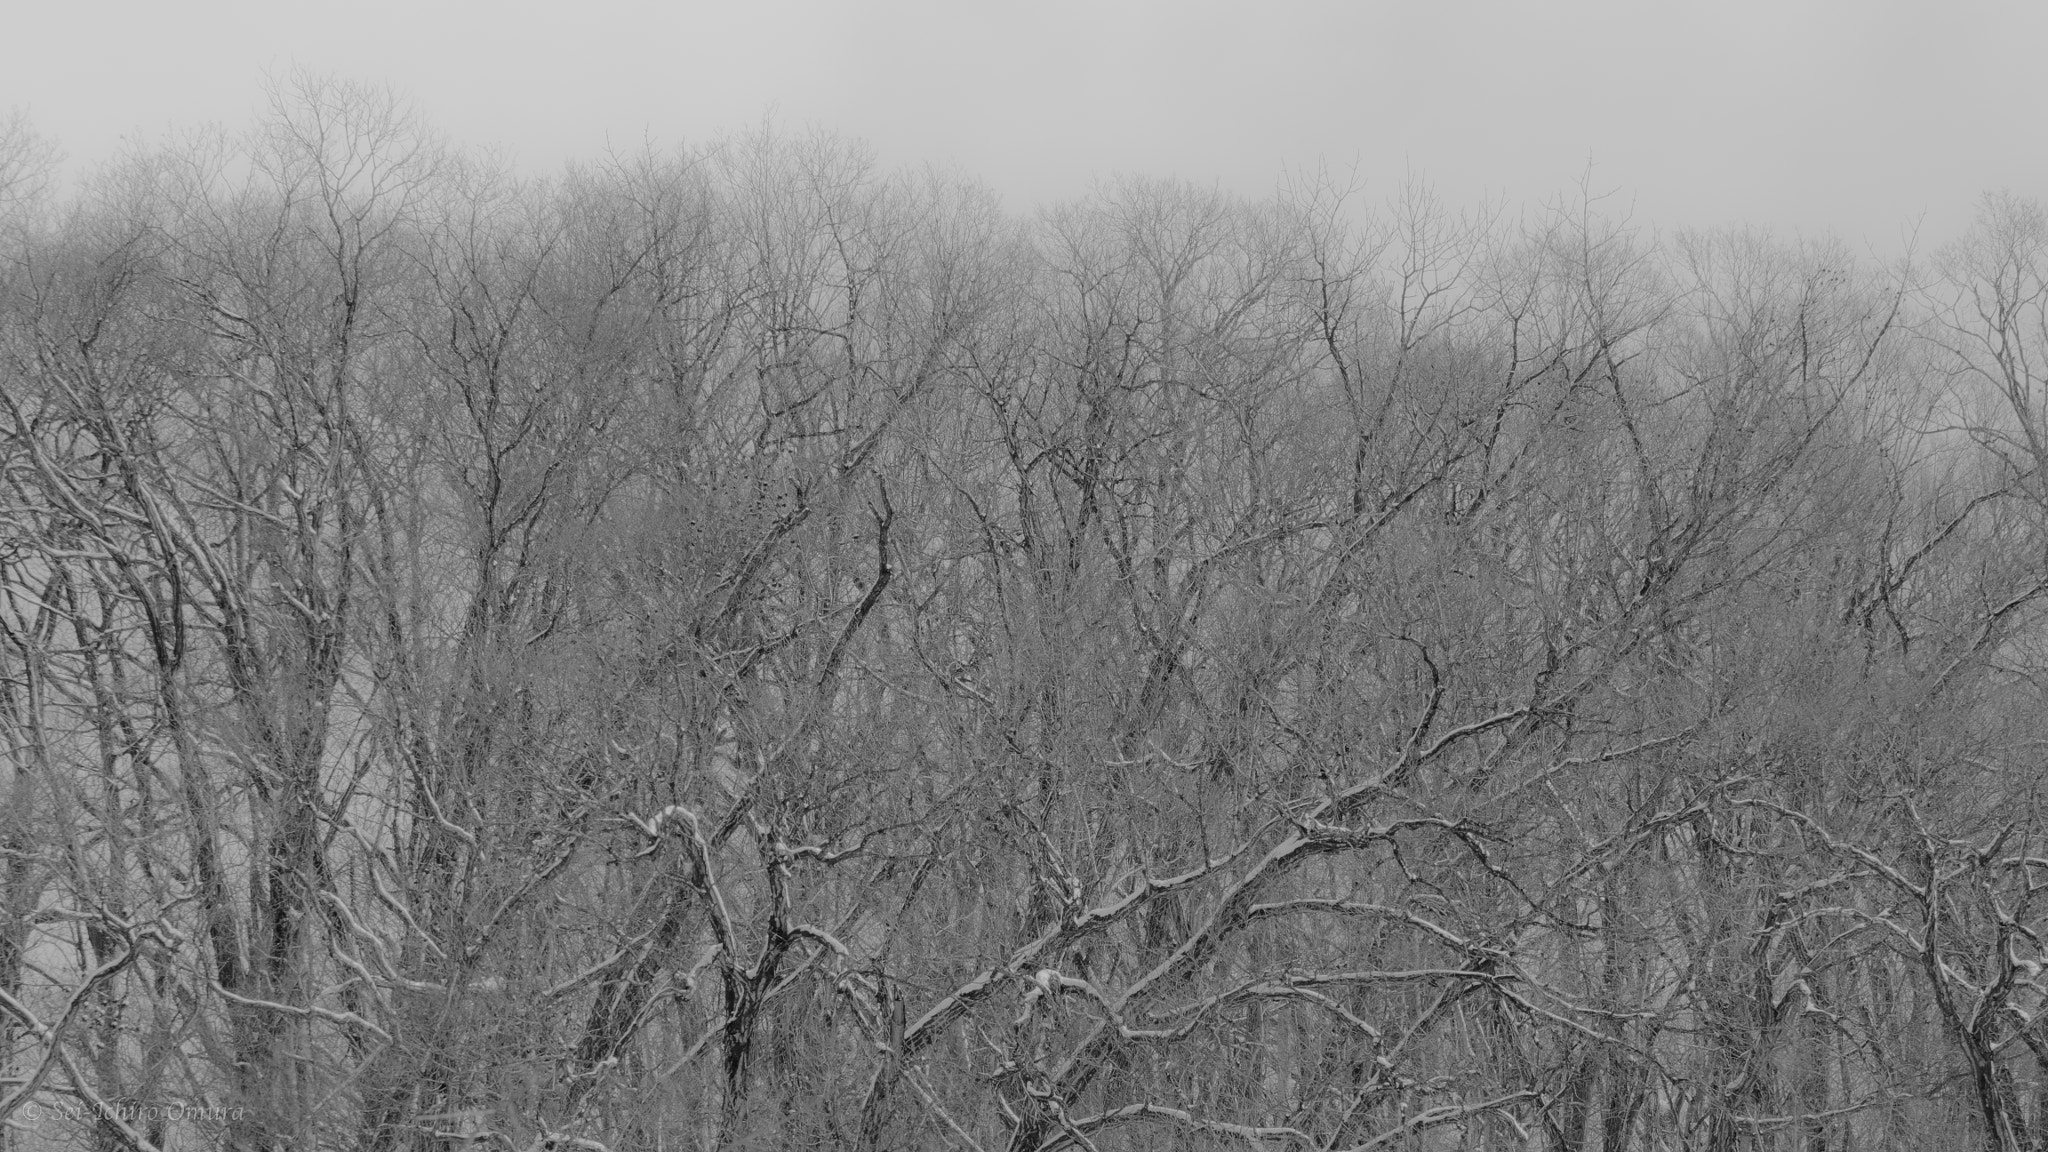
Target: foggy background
x: 1858, y: 118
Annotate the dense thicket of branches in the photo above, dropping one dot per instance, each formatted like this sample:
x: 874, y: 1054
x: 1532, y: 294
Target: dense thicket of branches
x: 740, y: 650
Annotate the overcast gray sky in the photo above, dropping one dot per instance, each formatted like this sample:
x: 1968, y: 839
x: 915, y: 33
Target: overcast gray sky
x: 1802, y: 114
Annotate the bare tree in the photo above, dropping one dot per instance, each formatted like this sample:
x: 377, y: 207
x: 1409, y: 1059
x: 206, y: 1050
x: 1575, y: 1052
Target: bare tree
x: 741, y: 648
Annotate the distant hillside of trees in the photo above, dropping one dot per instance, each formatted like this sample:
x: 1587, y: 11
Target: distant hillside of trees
x: 739, y: 649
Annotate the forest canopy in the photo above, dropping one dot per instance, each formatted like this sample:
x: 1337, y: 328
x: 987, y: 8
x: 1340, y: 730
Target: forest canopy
x: 738, y: 648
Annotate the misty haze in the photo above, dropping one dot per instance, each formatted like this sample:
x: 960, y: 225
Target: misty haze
x: 755, y: 645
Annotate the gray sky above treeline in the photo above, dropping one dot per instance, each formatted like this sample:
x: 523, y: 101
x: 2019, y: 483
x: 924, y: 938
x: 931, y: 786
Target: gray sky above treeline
x: 1860, y: 117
